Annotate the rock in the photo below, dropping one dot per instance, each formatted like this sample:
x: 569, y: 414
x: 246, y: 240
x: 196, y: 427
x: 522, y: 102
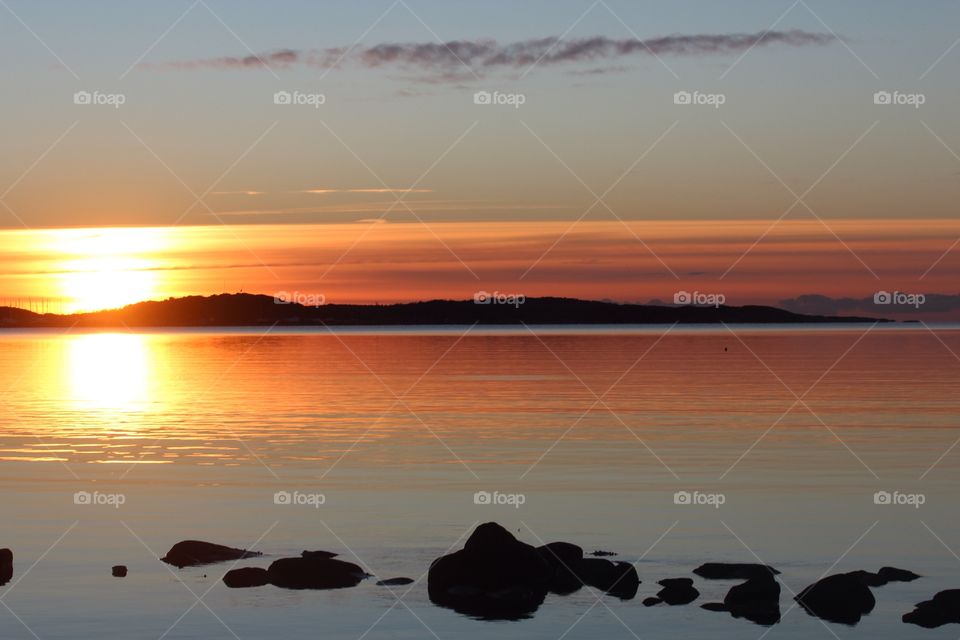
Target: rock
x: 677, y: 591
x: 563, y: 559
x: 394, y: 582
x: 191, y: 553
x: 892, y: 574
x: 6, y: 566
x: 318, y: 554
x: 733, y: 571
x: 842, y: 598
x: 603, y: 554
x: 618, y: 579
x: 651, y: 602
x: 246, y: 577
x: 757, y: 600
x: 495, y: 576
x: 943, y: 609
x: 118, y: 571
x: 314, y: 572
x: 885, y: 576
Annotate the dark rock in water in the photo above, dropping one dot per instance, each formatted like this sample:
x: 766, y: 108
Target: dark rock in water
x: 677, y: 591
x: 885, y: 576
x: 6, y: 566
x: 394, y: 582
x: 118, y: 571
x: 757, y: 600
x: 733, y: 571
x: 943, y: 609
x: 603, y: 554
x: 494, y: 576
x: 842, y: 598
x: 618, y: 579
x: 892, y: 574
x: 318, y: 554
x: 563, y: 559
x: 651, y: 602
x: 246, y: 577
x: 314, y: 572
x: 191, y: 553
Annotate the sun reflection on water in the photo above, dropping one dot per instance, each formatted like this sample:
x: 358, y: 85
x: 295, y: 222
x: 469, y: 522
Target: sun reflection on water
x: 109, y: 371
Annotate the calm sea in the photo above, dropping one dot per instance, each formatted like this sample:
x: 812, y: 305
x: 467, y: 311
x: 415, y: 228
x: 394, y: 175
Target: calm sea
x: 375, y: 444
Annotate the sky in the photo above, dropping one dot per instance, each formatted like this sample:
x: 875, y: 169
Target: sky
x: 350, y: 149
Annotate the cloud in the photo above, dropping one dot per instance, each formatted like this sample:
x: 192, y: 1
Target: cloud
x: 384, y: 190
x: 450, y: 58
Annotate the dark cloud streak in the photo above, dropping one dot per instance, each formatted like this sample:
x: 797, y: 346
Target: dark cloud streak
x: 482, y: 55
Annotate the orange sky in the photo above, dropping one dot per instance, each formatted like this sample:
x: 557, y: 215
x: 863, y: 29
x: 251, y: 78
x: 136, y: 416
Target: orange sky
x: 384, y: 262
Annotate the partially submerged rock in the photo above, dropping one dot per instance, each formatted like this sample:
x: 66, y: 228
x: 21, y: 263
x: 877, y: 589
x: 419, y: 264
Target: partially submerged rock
x: 494, y: 576
x: 600, y: 553
x: 618, y: 579
x: 246, y: 577
x: 733, y: 571
x: 314, y: 572
x: 6, y: 566
x: 192, y: 553
x: 394, y: 582
x: 677, y: 591
x: 756, y: 600
x: 841, y: 598
x: 943, y: 609
x: 118, y: 571
x: 318, y: 554
x: 563, y: 558
x: 884, y: 576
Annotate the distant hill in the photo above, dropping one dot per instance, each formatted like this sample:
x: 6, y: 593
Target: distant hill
x: 243, y: 309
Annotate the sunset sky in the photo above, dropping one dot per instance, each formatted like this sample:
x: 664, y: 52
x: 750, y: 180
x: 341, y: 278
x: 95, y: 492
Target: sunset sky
x: 399, y: 186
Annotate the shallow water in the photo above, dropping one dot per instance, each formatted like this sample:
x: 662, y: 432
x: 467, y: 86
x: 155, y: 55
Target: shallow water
x: 596, y: 429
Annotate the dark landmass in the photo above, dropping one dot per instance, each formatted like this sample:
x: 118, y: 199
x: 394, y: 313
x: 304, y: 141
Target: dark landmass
x: 244, y: 309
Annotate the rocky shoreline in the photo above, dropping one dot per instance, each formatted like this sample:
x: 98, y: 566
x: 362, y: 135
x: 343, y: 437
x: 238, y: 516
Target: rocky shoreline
x: 495, y: 576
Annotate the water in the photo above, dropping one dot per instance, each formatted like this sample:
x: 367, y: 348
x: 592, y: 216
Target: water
x: 596, y: 429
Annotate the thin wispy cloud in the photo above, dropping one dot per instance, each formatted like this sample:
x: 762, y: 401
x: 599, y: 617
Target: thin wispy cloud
x: 481, y: 55
x: 385, y: 190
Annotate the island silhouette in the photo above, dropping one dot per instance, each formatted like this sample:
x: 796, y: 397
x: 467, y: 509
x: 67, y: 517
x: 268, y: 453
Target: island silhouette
x: 245, y: 309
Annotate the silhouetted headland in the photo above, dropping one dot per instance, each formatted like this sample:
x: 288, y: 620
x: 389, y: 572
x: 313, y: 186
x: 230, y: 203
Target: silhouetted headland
x: 243, y: 309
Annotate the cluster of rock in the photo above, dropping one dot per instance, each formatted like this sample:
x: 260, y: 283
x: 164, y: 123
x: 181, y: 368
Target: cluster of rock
x: 312, y: 570
x: 497, y: 577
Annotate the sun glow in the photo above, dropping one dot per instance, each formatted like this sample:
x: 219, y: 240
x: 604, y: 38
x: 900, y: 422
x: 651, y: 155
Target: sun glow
x: 108, y: 371
x: 107, y: 268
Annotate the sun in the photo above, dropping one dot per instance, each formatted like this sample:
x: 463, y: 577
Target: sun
x: 108, y: 268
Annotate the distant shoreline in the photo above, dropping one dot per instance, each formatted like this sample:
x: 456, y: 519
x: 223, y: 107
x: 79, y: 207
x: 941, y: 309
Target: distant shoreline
x: 252, y: 310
